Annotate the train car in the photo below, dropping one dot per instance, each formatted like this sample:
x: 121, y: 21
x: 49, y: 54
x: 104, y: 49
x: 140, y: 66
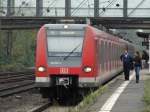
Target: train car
x: 76, y: 56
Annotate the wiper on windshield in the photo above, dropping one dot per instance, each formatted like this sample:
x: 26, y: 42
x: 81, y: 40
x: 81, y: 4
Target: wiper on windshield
x: 72, y: 51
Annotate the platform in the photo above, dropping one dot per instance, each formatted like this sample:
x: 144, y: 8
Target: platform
x: 122, y: 96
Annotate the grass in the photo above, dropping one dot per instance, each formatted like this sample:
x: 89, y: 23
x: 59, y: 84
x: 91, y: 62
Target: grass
x: 147, y: 96
x: 89, y: 99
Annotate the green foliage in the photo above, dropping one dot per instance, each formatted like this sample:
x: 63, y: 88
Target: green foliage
x: 22, y: 50
x: 12, y: 67
x: 147, y: 96
x: 3, y: 58
x: 89, y: 99
x: 147, y: 109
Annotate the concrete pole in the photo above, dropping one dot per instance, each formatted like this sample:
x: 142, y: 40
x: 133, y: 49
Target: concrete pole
x: 0, y: 3
x: 68, y: 8
x: 125, y: 8
x: 10, y: 7
x: 39, y: 8
x: 96, y: 8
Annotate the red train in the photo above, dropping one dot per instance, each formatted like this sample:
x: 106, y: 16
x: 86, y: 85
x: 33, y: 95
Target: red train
x: 76, y: 56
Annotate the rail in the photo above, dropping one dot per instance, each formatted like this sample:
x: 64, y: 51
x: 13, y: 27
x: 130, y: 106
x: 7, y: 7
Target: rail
x: 16, y: 82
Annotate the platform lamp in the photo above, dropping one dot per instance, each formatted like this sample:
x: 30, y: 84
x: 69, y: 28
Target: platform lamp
x: 146, y: 42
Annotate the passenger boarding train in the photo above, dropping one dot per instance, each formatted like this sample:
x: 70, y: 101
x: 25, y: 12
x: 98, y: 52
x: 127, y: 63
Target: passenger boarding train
x: 76, y: 56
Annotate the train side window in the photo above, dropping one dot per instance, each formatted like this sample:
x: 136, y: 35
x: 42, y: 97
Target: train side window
x: 98, y: 51
x: 107, y: 55
x: 110, y: 57
x: 104, y: 52
x: 110, y: 51
x: 115, y: 52
x: 119, y: 51
x: 105, y: 49
x: 100, y: 42
x: 102, y: 55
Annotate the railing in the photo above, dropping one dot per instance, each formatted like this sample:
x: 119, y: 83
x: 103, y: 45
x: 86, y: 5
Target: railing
x: 81, y: 12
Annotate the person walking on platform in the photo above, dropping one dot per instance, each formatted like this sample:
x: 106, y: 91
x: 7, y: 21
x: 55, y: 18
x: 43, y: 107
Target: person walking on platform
x: 127, y: 60
x: 145, y: 57
x: 137, y: 65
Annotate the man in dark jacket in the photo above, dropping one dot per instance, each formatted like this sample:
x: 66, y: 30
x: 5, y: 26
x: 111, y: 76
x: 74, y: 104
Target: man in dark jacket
x: 127, y: 59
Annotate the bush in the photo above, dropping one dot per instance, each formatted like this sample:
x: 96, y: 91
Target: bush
x: 147, y: 92
x: 12, y: 67
x: 147, y: 96
x: 22, y: 50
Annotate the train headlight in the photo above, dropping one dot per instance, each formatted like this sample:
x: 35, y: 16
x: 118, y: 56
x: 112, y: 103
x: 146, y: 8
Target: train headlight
x: 87, y: 69
x: 41, y: 69
x: 65, y: 26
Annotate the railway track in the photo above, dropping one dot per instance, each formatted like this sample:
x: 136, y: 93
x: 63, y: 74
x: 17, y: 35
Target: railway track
x: 48, y: 107
x: 16, y: 78
x: 38, y: 105
x: 41, y: 107
x: 16, y: 82
x: 16, y: 88
x: 30, y: 71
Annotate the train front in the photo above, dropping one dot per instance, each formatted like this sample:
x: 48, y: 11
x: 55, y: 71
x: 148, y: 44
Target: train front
x: 63, y: 58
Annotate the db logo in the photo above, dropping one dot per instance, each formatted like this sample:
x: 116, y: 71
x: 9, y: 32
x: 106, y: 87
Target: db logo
x: 63, y: 70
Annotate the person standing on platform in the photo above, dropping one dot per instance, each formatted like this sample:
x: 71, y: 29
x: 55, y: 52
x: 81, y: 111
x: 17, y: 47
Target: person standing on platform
x: 127, y: 60
x: 137, y: 65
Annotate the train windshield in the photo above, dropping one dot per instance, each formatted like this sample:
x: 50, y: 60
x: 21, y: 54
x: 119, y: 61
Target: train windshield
x: 65, y: 42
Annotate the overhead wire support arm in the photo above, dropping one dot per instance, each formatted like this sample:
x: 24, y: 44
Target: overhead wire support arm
x: 136, y: 7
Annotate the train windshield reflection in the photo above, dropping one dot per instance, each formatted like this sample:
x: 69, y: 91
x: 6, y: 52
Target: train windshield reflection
x: 61, y: 43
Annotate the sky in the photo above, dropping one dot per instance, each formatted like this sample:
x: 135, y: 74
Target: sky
x: 110, y: 6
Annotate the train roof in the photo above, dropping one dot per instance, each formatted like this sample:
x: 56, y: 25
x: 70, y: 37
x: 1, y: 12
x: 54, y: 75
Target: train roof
x: 82, y: 26
x: 70, y: 26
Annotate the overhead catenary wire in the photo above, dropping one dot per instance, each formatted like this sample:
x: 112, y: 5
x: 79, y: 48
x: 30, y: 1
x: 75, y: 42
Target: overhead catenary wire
x: 110, y: 3
x: 51, y: 5
x: 23, y: 3
x: 78, y: 7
